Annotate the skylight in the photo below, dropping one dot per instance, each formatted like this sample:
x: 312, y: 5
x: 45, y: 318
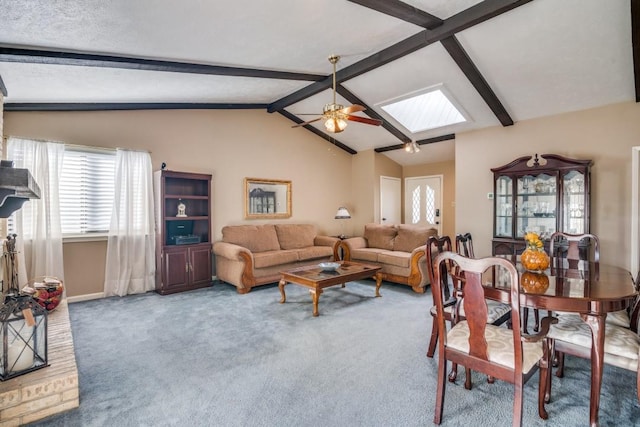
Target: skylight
x: 429, y: 109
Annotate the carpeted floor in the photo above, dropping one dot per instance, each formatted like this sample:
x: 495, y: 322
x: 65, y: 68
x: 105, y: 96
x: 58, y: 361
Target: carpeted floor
x: 213, y: 357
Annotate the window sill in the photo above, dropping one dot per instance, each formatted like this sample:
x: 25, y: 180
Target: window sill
x: 81, y: 238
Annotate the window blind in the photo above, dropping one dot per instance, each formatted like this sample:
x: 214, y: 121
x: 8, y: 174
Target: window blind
x: 86, y: 190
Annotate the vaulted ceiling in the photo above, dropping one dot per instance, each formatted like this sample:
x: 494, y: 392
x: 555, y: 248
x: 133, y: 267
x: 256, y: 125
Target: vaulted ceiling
x: 502, y: 61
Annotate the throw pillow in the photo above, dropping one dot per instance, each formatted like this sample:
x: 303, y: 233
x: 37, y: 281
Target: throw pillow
x: 256, y: 238
x: 380, y: 235
x: 295, y: 236
x: 411, y: 236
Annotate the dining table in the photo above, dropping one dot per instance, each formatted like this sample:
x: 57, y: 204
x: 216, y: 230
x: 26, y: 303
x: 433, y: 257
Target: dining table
x: 590, y: 289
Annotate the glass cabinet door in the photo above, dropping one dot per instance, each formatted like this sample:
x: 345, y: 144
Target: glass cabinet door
x: 536, y: 205
x: 504, y: 207
x: 573, y: 213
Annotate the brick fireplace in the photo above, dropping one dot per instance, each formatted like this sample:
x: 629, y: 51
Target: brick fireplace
x: 47, y: 391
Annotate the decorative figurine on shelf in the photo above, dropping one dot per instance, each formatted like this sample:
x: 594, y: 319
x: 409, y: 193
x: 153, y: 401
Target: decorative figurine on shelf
x: 182, y: 208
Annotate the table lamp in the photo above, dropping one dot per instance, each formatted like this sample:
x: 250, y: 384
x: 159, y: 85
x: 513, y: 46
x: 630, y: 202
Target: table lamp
x: 342, y: 213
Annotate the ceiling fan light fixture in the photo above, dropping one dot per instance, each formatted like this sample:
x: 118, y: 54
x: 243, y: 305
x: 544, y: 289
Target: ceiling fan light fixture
x: 412, y: 147
x: 335, y: 125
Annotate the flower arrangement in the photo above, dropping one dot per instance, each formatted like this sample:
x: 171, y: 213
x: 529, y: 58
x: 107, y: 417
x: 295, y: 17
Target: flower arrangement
x: 534, y: 257
x: 534, y: 242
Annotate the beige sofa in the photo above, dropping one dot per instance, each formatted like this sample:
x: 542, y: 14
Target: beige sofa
x: 398, y: 249
x: 253, y: 255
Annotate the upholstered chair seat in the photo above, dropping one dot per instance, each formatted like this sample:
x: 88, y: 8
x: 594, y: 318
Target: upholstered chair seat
x: 621, y: 345
x: 619, y: 318
x: 500, y: 348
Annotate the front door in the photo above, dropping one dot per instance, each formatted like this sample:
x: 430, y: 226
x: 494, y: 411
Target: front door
x: 423, y: 201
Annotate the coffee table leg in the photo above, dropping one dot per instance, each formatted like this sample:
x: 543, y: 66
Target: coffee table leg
x: 281, y: 287
x: 315, y: 295
x: 378, y: 277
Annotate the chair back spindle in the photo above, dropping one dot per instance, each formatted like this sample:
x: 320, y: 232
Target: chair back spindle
x: 464, y: 245
x: 436, y: 245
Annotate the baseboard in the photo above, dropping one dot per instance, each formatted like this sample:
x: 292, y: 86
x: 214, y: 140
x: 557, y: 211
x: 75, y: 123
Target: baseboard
x: 85, y: 297
x: 98, y: 295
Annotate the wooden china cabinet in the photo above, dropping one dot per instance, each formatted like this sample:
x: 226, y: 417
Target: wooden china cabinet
x: 542, y: 194
x: 183, y: 224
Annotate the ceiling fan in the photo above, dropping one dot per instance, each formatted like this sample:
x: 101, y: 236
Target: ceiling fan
x: 336, y: 115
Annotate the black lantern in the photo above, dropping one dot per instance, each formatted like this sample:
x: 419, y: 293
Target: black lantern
x: 23, y: 336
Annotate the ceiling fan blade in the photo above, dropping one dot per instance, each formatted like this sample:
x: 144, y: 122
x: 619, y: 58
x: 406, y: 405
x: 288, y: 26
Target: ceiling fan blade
x: 306, y: 123
x: 365, y: 120
x: 352, y: 109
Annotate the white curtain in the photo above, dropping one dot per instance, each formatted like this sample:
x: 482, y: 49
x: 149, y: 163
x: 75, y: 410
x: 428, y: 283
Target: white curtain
x: 131, y: 263
x: 39, y: 241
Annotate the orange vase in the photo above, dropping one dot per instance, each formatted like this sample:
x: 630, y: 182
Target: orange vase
x: 534, y: 260
x: 534, y: 283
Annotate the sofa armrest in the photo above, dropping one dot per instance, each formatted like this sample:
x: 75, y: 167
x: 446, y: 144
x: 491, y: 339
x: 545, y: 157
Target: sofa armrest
x: 350, y: 244
x: 325, y: 241
x: 231, y: 251
x: 420, y: 251
x: 419, y: 274
x: 355, y: 242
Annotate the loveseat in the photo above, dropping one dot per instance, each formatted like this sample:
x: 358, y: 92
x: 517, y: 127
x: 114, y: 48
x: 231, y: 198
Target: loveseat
x: 253, y: 255
x: 398, y: 249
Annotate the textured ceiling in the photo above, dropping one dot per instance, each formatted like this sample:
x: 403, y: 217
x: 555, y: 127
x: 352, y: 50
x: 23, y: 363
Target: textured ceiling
x: 540, y: 58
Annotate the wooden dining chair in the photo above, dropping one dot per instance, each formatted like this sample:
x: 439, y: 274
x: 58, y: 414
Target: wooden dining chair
x: 565, y: 245
x: 499, y: 313
x: 434, y: 246
x: 498, y: 352
x: 571, y: 335
x: 452, y: 287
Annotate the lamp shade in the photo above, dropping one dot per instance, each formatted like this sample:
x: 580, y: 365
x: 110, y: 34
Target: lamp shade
x: 343, y: 213
x: 335, y: 124
x: 411, y: 147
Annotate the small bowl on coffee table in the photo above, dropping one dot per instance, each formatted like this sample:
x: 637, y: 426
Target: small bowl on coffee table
x: 329, y: 266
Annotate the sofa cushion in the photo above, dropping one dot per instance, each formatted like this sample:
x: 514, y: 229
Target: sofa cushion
x: 271, y: 258
x: 365, y: 254
x: 411, y: 236
x: 295, y: 236
x: 256, y: 238
x: 397, y: 258
x: 314, y: 252
x: 380, y: 235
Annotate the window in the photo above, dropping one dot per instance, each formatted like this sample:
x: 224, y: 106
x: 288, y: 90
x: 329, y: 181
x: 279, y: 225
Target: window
x: 86, y: 190
x: 426, y: 109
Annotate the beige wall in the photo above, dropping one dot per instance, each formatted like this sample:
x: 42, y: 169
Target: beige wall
x: 84, y: 265
x: 604, y: 135
x: 230, y: 145
x: 448, y: 172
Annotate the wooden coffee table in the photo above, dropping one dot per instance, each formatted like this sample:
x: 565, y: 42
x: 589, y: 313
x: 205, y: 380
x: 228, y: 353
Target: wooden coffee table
x: 314, y: 278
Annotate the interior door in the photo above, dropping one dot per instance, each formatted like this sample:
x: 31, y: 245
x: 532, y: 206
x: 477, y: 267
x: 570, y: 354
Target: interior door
x: 390, y: 191
x: 423, y: 201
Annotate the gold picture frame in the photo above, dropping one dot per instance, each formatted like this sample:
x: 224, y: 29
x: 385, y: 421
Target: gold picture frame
x: 267, y: 198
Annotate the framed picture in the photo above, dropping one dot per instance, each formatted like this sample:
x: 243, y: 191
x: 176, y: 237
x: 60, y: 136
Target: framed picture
x: 267, y: 198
